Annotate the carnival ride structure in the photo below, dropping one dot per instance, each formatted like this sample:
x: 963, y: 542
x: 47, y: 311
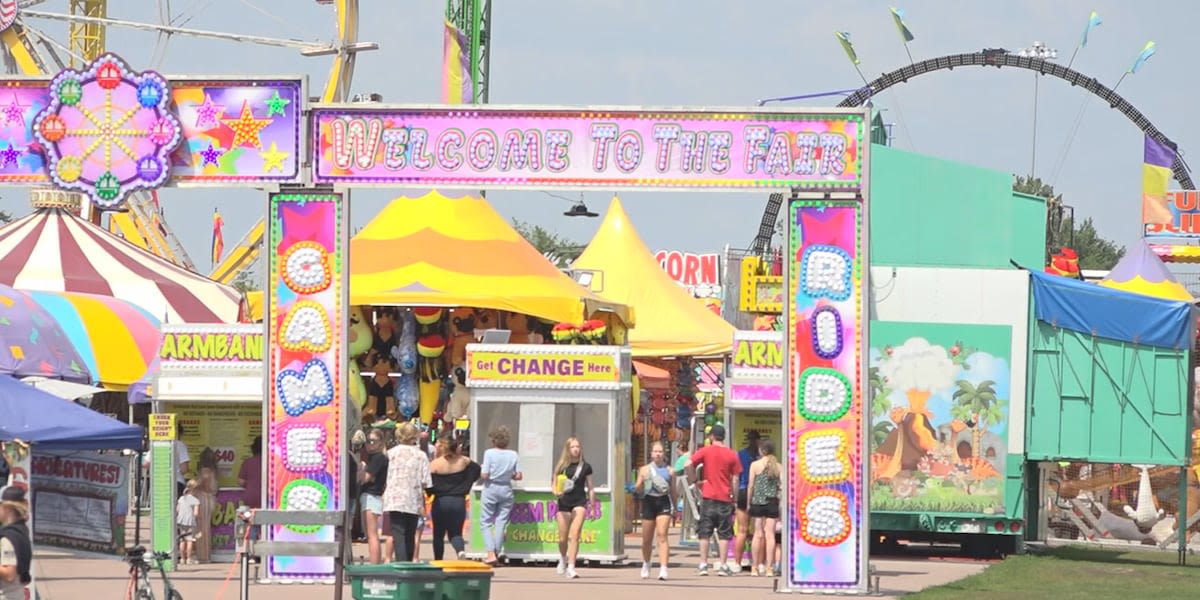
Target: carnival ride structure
x: 988, y: 57
x: 32, y: 52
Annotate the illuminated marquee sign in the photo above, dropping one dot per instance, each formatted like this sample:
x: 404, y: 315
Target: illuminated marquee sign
x: 306, y: 407
x: 827, y: 529
x: 610, y: 148
x: 108, y: 130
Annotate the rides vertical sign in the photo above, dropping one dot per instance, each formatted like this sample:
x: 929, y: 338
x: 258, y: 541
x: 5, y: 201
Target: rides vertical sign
x: 826, y: 323
x: 305, y: 408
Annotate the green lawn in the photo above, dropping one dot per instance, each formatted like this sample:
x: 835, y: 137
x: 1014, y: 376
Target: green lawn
x: 1078, y: 573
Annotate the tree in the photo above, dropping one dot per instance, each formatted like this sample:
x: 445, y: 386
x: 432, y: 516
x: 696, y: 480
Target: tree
x: 977, y: 407
x: 1095, y: 252
x: 558, y: 249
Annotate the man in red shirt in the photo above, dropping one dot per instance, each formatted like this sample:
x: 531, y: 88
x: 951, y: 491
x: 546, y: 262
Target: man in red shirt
x: 721, y: 470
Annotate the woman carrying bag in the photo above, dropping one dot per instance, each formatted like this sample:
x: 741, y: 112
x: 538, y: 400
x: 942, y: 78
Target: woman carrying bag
x: 656, y: 485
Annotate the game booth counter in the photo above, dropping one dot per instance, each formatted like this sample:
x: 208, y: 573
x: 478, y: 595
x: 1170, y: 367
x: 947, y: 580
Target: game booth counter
x: 545, y: 394
x: 209, y: 384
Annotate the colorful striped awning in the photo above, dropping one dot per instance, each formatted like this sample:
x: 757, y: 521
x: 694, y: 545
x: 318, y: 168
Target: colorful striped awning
x: 53, y: 249
x: 116, y: 340
x: 33, y: 344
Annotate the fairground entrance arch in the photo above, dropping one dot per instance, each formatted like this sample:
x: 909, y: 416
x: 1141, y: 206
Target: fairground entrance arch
x: 108, y: 130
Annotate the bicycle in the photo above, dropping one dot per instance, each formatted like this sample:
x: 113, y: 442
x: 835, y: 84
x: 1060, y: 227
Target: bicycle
x: 139, y: 575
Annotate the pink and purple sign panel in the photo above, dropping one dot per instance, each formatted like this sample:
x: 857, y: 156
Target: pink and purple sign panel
x: 826, y: 492
x: 108, y: 130
x: 305, y: 369
x: 756, y: 369
x: 452, y: 147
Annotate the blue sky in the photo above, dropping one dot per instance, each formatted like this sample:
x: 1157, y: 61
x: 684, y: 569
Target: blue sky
x: 708, y: 53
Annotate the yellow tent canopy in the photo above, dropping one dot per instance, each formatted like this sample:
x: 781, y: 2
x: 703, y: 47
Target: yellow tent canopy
x: 671, y: 321
x: 439, y: 251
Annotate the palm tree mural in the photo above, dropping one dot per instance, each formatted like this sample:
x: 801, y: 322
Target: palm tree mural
x: 880, y: 404
x: 978, y: 408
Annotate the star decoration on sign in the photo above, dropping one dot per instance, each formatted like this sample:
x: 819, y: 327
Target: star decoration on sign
x: 9, y: 156
x: 14, y: 113
x: 805, y: 564
x: 276, y: 104
x: 246, y: 128
x: 208, y: 114
x: 210, y: 155
x: 273, y: 158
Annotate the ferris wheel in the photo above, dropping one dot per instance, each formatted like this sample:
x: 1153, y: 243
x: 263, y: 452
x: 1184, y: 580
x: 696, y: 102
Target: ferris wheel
x: 28, y: 50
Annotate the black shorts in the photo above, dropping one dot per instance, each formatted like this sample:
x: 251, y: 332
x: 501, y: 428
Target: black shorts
x: 566, y: 506
x: 656, y: 506
x: 769, y: 510
x: 715, y: 516
x: 742, y: 500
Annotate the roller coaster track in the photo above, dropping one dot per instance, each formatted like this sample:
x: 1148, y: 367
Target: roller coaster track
x: 987, y: 58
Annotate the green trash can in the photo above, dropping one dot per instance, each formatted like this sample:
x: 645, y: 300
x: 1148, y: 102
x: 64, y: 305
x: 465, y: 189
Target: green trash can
x: 396, y: 581
x: 465, y: 579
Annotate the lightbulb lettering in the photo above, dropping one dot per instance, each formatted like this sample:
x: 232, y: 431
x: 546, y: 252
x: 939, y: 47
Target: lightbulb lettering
x: 355, y: 141
x: 667, y: 149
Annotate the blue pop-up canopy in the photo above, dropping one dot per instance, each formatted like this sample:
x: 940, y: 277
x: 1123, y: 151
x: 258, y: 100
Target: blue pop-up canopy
x: 47, y: 421
x: 1111, y: 313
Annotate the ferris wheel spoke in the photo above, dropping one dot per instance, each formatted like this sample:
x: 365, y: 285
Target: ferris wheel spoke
x: 87, y: 114
x: 120, y: 143
x: 92, y: 148
x: 126, y: 117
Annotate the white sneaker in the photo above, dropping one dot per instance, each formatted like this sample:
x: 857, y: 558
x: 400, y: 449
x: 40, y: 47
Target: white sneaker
x: 571, y: 574
x: 662, y: 574
x: 645, y: 570
x: 562, y: 567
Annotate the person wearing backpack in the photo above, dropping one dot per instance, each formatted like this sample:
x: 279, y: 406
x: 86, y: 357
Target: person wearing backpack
x: 656, y: 485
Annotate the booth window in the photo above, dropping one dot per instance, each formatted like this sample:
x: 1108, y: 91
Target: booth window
x: 539, y: 431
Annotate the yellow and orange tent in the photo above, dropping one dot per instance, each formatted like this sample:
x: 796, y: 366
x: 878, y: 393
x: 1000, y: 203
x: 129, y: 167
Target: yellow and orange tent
x: 440, y: 251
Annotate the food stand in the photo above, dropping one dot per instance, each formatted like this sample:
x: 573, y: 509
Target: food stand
x: 210, y: 379
x: 545, y: 394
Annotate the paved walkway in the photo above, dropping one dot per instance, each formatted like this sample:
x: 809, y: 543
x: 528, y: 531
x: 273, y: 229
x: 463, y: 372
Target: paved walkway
x: 66, y: 575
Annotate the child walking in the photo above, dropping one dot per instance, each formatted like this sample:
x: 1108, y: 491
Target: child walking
x: 187, y: 510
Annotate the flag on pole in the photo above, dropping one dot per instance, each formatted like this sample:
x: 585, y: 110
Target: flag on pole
x: 1093, y: 22
x: 218, y: 237
x: 844, y: 38
x: 458, y: 87
x: 1156, y: 175
x: 901, y: 26
x: 1142, y: 57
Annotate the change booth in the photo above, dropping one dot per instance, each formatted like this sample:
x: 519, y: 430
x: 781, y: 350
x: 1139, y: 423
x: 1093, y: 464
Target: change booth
x: 210, y: 380
x: 545, y: 394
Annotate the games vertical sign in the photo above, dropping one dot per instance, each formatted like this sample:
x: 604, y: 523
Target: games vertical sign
x: 826, y: 335
x: 305, y: 408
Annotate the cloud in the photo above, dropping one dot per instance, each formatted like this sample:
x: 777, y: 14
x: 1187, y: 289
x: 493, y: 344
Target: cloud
x: 982, y: 366
x: 919, y: 365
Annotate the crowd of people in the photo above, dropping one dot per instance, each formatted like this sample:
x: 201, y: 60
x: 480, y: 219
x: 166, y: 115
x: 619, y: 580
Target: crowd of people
x: 739, y: 490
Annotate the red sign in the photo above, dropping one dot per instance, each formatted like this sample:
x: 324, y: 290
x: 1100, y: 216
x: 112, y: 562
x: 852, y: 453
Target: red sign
x: 689, y: 269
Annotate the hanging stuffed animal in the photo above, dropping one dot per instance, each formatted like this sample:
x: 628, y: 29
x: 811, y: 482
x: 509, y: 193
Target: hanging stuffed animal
x: 519, y: 326
x: 462, y: 331
x: 405, y: 353
x: 565, y: 333
x: 594, y: 332
x: 460, y: 396
x: 430, y: 347
x: 358, y: 341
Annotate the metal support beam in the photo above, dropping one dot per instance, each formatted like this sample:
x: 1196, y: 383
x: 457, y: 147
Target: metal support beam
x: 201, y: 33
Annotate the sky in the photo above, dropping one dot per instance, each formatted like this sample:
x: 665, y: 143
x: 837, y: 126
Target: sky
x: 705, y: 53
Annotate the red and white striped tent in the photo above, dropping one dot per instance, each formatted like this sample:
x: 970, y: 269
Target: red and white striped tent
x: 55, y: 250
